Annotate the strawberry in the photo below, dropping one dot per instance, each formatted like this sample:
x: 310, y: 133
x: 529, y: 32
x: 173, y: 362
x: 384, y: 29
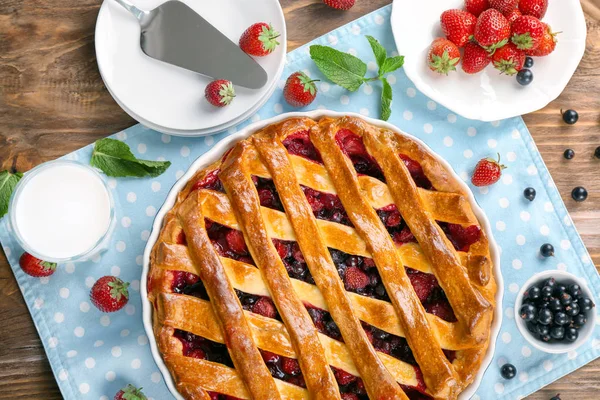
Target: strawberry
x: 458, y: 26
x: 476, y: 7
x: 547, y: 43
x: 290, y: 366
x: 422, y: 283
x: 475, y: 58
x: 443, y: 56
x: 130, y: 392
x: 349, y: 396
x: 492, y: 30
x: 508, y: 59
x: 487, y: 171
x: 219, y: 93
x: 535, y: 8
x: 340, y: 4
x: 355, y: 279
x: 235, y: 241
x: 259, y: 40
x: 527, y: 32
x: 299, y: 90
x: 36, y: 267
x: 504, y: 6
x: 511, y: 16
x: 343, y: 378
x: 265, y: 307
x: 109, y: 294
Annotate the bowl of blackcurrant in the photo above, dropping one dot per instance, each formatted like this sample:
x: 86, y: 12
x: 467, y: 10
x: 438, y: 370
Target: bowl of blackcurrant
x: 555, y: 311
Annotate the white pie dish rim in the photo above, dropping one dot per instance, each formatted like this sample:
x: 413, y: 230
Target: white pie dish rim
x: 219, y: 149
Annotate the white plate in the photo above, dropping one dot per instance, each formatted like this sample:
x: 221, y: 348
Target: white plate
x: 217, y: 151
x: 487, y: 96
x: 171, y: 99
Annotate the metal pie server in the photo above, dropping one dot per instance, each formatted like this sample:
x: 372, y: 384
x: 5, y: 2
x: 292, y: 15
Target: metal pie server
x: 176, y: 34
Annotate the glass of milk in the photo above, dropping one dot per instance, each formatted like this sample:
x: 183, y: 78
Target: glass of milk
x: 62, y: 211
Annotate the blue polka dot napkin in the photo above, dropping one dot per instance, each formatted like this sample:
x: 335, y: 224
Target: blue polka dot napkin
x: 94, y: 354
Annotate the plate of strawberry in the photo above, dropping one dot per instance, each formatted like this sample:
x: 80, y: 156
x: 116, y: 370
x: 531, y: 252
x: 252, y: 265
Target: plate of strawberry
x: 490, y: 59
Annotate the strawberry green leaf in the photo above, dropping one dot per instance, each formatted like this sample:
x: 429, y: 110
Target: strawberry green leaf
x: 391, y: 64
x: 115, y: 158
x: 386, y: 100
x: 268, y: 37
x: 341, y: 68
x: 378, y: 50
x: 8, y: 182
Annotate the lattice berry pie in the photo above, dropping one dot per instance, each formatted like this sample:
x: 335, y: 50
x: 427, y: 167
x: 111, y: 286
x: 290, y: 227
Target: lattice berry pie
x: 322, y: 260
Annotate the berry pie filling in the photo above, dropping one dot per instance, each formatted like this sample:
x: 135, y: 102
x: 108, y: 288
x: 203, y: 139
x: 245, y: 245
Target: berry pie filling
x: 299, y: 144
x: 352, y: 146
x: 211, y: 181
x: 267, y: 194
x: 294, y: 262
x: 326, y: 206
x: 198, y: 347
x: 395, y: 224
x: 462, y: 238
x: 228, y: 242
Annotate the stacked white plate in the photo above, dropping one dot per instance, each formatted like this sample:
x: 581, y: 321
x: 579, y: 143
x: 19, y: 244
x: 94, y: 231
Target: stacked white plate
x: 171, y: 99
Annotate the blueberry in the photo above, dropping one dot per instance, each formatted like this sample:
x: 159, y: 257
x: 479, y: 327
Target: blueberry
x: 527, y: 312
x: 572, y: 309
x: 586, y: 304
x: 561, y: 318
x: 525, y: 77
x: 529, y: 193
x: 508, y: 371
x: 555, y: 305
x: 579, y: 193
x: 528, y: 62
x: 571, y: 334
x: 544, y: 316
x: 547, y: 250
x: 547, y: 292
x: 557, y: 332
x: 570, y: 116
x: 569, y: 154
x: 579, y: 320
x: 533, y: 293
x: 574, y: 290
x: 565, y: 299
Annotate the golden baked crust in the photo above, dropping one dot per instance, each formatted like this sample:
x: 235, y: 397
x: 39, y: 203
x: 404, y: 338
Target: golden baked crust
x: 466, y: 277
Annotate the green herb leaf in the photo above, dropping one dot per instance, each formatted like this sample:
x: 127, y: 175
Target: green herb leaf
x: 378, y: 50
x: 8, y: 182
x: 391, y: 64
x: 115, y: 158
x: 386, y: 100
x: 341, y: 68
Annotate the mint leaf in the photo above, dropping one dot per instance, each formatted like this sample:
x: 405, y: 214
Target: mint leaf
x: 8, y: 182
x: 378, y: 50
x: 115, y: 158
x: 391, y: 64
x: 386, y: 100
x: 341, y: 68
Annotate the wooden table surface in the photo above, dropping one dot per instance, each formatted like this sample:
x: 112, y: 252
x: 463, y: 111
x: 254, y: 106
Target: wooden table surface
x: 53, y: 101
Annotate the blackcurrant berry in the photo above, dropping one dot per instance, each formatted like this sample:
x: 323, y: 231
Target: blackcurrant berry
x: 545, y: 316
x: 586, y: 304
x: 557, y: 332
x: 547, y: 250
x: 561, y: 319
x: 571, y: 334
x: 528, y: 62
x: 508, y: 371
x: 570, y: 116
x: 569, y: 154
x: 579, y: 193
x: 527, y: 312
x: 525, y: 77
x: 529, y: 193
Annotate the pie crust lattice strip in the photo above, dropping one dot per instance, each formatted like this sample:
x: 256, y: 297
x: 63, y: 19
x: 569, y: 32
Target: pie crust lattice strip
x: 322, y: 259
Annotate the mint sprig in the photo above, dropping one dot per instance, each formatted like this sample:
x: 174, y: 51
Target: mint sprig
x: 8, y: 181
x: 115, y: 159
x: 349, y: 71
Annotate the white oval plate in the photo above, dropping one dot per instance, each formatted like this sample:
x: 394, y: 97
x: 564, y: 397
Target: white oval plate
x: 168, y: 98
x: 487, y: 96
x: 217, y: 151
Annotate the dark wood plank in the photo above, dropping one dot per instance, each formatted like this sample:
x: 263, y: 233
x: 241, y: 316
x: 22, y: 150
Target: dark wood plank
x: 52, y: 102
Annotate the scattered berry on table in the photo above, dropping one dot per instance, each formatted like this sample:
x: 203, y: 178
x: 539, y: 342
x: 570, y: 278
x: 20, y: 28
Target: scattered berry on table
x: 299, y: 90
x: 570, y: 116
x: 569, y: 154
x: 527, y: 32
x: 259, y: 39
x: 504, y: 5
x: 512, y: 15
x: 529, y: 193
x: 547, y: 43
x: 476, y: 7
x: 458, y: 26
x: 536, y: 8
x: 443, y: 56
x: 547, y: 250
x: 219, y: 93
x: 579, y: 193
x: 508, y: 371
x: 109, y: 294
x: 340, y: 4
x: 508, y: 59
x: 130, y: 392
x: 35, y: 267
x: 597, y: 152
x: 492, y: 30
x: 524, y: 77
x: 557, y: 397
x: 528, y: 62
x: 487, y: 172
x: 475, y: 58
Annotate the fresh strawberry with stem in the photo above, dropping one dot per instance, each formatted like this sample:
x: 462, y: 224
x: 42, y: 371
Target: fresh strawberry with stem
x: 219, y: 93
x: 299, y: 90
x: 340, y: 4
x: 475, y: 58
x: 259, y: 39
x: 487, y: 172
x: 492, y: 30
x: 476, y: 7
x: 458, y: 26
x: 511, y: 16
x: 535, y: 8
x: 509, y: 59
x: 527, y: 32
x: 504, y: 6
x: 130, y: 392
x: 35, y: 267
x: 443, y: 56
x: 110, y: 294
x: 547, y: 43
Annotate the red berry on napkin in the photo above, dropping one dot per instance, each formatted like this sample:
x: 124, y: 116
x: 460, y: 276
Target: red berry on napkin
x: 259, y: 39
x: 299, y: 90
x: 509, y: 59
x: 487, y: 171
x: 458, y: 26
x: 527, y: 32
x: 36, y: 267
x: 219, y: 93
x: 536, y: 8
x: 130, y: 392
x: 443, y: 56
x: 110, y: 294
x: 475, y: 58
x: 476, y: 7
x: 492, y: 30
x: 340, y: 4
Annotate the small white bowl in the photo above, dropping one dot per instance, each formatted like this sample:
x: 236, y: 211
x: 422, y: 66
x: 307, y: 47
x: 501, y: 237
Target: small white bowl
x: 584, y: 333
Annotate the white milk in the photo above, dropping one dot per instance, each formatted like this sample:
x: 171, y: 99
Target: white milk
x: 62, y: 210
